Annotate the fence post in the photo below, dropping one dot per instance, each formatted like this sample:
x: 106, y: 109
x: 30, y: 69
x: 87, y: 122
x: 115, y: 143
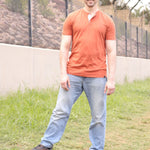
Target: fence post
x: 146, y: 45
x: 66, y: 5
x: 137, y: 41
x: 126, y: 39
x: 30, y: 23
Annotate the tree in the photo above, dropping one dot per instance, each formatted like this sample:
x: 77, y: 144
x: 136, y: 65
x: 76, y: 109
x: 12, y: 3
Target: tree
x: 143, y: 12
x: 147, y: 15
x: 122, y: 5
x: 138, y: 12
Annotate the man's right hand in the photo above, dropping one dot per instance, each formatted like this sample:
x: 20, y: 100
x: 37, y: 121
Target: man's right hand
x: 65, y: 82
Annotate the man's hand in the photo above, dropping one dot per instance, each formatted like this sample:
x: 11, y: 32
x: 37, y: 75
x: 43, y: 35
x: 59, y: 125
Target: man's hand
x: 65, y: 82
x: 109, y: 87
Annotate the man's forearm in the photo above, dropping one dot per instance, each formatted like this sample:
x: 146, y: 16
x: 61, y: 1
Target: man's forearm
x: 111, y: 54
x: 64, y: 50
x: 63, y: 62
x: 111, y: 66
x: 111, y: 57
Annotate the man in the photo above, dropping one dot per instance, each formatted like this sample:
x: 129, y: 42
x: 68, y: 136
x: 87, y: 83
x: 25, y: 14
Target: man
x: 92, y: 34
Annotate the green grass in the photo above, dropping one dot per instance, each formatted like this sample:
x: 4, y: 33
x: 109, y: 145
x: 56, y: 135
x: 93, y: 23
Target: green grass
x: 24, y: 117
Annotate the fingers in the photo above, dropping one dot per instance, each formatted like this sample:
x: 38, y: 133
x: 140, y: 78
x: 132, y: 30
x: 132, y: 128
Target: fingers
x: 65, y: 84
x: 109, y: 88
x: 105, y: 90
x: 110, y: 91
x: 68, y: 83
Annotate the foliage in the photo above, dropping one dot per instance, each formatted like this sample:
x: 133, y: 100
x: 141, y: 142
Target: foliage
x: 118, y: 7
x: 44, y: 9
x: 138, y: 12
x: 147, y: 15
x: 105, y: 2
x: 17, y: 5
x: 145, y: 12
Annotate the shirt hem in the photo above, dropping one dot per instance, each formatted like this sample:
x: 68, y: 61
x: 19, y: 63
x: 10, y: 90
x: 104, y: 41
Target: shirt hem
x: 101, y: 74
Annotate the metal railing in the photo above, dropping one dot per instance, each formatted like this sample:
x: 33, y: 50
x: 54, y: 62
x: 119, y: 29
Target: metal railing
x: 40, y: 24
x: 132, y: 41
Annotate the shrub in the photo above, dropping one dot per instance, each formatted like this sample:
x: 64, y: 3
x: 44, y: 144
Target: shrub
x: 44, y: 10
x: 17, y: 5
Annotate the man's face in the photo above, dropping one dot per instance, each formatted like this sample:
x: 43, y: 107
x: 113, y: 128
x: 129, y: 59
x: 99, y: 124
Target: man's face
x: 90, y: 3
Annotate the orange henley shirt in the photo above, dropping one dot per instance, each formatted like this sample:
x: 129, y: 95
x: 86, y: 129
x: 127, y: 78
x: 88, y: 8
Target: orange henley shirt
x: 88, y: 52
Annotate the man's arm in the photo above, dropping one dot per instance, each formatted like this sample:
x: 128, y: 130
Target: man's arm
x: 111, y: 56
x: 64, y: 51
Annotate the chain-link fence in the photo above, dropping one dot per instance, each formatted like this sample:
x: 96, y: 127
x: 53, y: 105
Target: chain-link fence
x: 43, y: 26
x: 47, y: 17
x: 47, y: 21
x: 13, y: 22
x: 74, y: 5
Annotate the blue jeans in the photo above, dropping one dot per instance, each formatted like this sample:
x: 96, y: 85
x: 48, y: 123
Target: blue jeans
x: 94, y: 90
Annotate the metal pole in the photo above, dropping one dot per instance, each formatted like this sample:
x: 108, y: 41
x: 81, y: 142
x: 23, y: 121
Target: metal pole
x: 137, y: 42
x: 66, y: 5
x: 30, y: 22
x: 126, y: 39
x: 146, y: 45
x: 130, y: 35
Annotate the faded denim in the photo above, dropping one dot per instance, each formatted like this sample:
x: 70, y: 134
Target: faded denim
x: 94, y: 90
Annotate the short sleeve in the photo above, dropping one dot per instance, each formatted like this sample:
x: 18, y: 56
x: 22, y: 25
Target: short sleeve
x: 111, y: 31
x: 67, y: 27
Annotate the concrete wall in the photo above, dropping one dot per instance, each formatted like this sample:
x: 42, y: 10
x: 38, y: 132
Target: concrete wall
x: 22, y: 67
x: 131, y: 69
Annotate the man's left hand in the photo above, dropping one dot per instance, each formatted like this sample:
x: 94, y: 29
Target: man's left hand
x: 109, y: 87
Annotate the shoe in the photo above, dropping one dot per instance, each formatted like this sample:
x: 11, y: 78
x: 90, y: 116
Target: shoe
x: 41, y: 147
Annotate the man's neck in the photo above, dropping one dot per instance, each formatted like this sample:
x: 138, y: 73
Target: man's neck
x: 91, y: 10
